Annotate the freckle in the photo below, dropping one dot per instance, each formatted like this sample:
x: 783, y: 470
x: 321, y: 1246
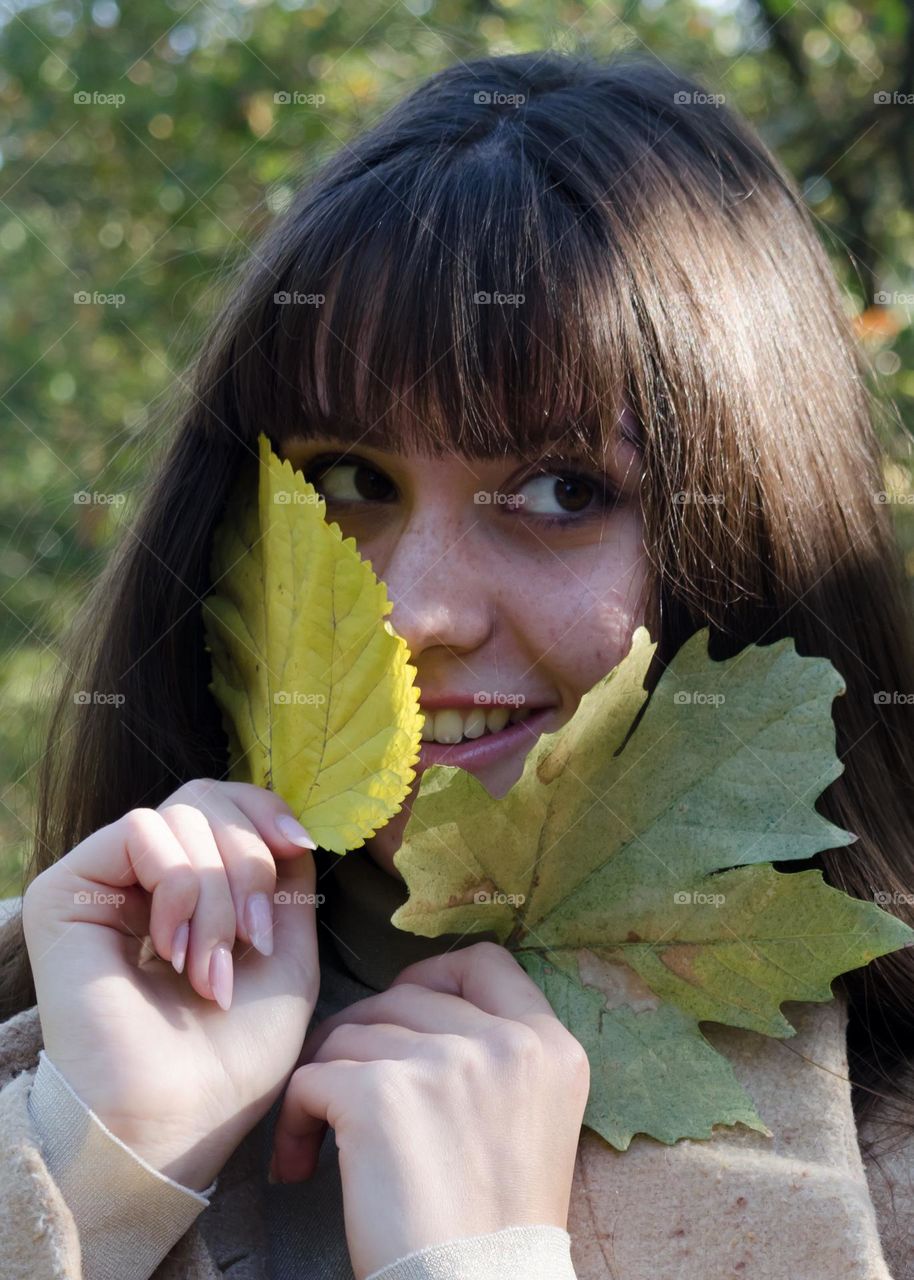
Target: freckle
x: 680, y: 1231
x: 741, y: 1201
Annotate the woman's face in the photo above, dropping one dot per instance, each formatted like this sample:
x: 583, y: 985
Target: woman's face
x: 516, y: 586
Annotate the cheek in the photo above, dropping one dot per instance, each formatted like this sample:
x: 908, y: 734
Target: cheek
x: 580, y: 620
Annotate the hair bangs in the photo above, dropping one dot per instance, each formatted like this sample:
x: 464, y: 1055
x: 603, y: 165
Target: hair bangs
x: 465, y: 306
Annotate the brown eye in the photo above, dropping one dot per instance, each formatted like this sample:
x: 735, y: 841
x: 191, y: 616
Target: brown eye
x: 348, y: 481
x: 551, y: 494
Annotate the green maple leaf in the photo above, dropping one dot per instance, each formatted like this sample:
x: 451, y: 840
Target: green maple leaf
x: 636, y: 888
x: 317, y: 695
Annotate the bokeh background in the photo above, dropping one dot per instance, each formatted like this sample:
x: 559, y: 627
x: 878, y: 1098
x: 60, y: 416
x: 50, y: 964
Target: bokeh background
x: 142, y: 152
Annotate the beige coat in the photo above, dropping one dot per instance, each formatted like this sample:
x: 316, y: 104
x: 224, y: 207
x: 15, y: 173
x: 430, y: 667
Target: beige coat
x: 800, y: 1205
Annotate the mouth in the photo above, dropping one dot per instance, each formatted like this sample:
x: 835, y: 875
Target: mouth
x: 503, y: 733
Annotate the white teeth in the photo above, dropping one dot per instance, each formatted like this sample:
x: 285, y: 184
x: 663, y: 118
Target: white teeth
x: 450, y: 725
x: 475, y: 723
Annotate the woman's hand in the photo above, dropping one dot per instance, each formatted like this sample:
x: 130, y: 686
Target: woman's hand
x: 456, y: 1097
x: 175, y: 1076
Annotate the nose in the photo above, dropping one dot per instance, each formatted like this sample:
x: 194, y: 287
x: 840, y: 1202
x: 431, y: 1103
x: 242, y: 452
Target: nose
x: 439, y: 594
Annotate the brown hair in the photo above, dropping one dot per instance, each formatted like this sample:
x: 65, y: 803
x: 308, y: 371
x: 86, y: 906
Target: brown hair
x: 636, y: 240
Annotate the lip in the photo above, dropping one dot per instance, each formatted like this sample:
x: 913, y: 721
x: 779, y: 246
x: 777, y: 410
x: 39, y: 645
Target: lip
x: 487, y: 749
x: 444, y: 701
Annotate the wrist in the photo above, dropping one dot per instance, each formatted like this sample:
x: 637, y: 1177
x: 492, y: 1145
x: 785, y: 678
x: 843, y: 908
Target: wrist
x: 192, y: 1163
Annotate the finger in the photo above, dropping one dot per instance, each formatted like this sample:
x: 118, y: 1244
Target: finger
x: 354, y: 1042
x: 313, y: 1098
x: 268, y: 811
x: 96, y: 881
x: 211, y: 930
x: 247, y: 859
x: 409, y: 1006
x: 295, y: 927
x: 488, y: 976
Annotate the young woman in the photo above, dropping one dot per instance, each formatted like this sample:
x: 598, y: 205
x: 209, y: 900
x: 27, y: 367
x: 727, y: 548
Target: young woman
x: 559, y: 344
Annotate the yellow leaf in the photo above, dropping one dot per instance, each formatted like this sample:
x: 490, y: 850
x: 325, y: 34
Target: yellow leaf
x: 317, y: 694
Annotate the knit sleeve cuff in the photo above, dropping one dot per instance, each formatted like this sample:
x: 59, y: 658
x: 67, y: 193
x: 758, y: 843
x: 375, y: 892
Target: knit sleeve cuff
x: 513, y: 1253
x: 128, y: 1214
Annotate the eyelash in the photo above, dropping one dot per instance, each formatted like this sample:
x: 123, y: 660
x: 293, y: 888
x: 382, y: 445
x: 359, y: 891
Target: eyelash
x: 607, y: 494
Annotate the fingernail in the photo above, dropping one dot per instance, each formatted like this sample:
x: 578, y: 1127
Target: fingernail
x: 179, y: 945
x: 220, y: 975
x: 259, y: 920
x: 293, y: 831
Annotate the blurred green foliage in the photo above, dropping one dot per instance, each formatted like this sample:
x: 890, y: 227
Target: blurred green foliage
x: 142, y: 153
